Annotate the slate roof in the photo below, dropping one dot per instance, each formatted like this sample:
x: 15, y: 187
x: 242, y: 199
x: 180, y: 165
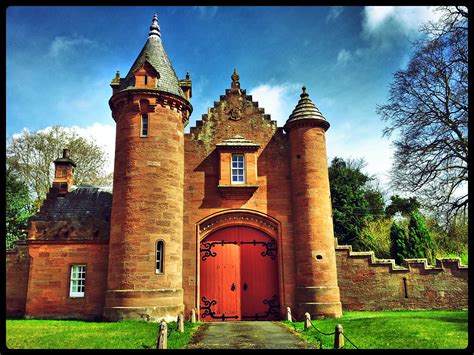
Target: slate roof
x: 305, y: 109
x: 80, y: 203
x: 155, y: 54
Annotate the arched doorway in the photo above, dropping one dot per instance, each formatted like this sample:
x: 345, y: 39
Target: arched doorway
x: 239, y: 275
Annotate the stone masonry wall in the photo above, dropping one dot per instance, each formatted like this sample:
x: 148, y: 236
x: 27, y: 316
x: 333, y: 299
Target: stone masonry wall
x: 48, y: 286
x: 17, y: 268
x: 371, y: 284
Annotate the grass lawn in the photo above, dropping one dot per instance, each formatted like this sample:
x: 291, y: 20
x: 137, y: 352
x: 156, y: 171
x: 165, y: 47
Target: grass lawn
x: 393, y: 330
x: 69, y: 334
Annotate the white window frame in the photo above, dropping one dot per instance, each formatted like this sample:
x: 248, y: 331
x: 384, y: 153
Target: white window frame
x: 77, y: 283
x: 160, y: 257
x: 236, y: 170
x: 147, y: 125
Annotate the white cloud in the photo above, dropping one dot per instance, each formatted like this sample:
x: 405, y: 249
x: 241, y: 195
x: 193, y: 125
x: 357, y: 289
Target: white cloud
x: 343, y: 56
x: 334, y: 13
x: 383, y: 21
x: 277, y: 100
x: 347, y: 142
x: 62, y: 45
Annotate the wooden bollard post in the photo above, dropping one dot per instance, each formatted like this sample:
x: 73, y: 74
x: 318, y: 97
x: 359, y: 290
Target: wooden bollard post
x: 307, y: 321
x: 163, y: 336
x: 180, y: 323
x: 339, y: 337
x: 193, y: 316
x: 288, y: 314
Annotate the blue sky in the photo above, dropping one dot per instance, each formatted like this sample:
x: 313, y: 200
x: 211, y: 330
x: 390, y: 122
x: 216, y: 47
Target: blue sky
x: 60, y: 61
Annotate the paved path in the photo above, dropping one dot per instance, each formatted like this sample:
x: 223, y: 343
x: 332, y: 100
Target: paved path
x: 246, y: 335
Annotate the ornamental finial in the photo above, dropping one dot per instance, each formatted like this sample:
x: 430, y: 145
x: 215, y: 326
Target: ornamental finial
x: 154, y: 28
x: 304, y: 94
x: 235, y: 79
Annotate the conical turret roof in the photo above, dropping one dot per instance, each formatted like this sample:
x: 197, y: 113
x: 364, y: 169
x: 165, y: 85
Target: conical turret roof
x: 154, y: 53
x: 306, y: 110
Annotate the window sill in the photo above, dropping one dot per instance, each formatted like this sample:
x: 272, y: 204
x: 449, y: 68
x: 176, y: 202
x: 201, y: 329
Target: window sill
x: 237, y: 190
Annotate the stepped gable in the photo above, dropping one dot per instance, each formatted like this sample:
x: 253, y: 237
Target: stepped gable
x: 409, y: 264
x: 233, y: 107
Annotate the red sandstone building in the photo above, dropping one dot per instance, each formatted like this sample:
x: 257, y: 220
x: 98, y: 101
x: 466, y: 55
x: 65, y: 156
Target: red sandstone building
x: 232, y: 219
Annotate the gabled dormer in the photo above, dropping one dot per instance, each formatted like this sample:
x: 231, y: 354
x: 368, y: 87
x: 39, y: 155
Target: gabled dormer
x: 146, y: 76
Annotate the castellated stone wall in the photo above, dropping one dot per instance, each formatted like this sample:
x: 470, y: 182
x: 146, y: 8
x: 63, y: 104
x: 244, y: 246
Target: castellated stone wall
x: 370, y: 284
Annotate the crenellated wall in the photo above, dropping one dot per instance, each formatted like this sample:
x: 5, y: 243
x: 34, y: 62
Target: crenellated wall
x: 370, y: 284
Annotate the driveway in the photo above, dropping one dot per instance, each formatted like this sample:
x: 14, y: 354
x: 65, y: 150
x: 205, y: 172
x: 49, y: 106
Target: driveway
x: 246, y: 335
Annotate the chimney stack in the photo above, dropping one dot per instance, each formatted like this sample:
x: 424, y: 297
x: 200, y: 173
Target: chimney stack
x: 63, y: 173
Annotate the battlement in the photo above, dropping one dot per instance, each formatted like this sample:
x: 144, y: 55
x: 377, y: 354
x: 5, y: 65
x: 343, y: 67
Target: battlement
x: 420, y: 263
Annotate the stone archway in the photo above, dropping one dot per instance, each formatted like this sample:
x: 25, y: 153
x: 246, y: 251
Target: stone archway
x: 239, y: 272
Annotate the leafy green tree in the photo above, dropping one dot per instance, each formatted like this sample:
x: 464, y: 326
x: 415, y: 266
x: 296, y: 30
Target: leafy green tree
x: 353, y: 201
x: 19, y: 208
x: 403, y: 205
x: 376, y: 204
x: 31, y: 156
x: 399, y: 249
x: 419, y: 242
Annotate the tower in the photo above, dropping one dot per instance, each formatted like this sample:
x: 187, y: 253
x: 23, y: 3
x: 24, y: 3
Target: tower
x: 151, y: 108
x: 317, y: 291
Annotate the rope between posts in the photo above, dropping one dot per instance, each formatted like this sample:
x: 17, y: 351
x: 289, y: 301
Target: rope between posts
x: 349, y: 341
x: 319, y: 330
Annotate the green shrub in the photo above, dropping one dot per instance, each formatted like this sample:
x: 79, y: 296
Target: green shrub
x: 399, y: 248
x: 419, y: 241
x: 376, y: 237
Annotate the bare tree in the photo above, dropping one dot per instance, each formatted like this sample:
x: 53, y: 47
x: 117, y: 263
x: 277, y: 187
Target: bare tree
x: 31, y: 154
x: 428, y: 109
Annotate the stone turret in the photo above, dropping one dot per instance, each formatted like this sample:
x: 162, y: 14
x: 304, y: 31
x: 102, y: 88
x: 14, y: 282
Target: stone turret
x: 317, y: 291
x: 146, y: 237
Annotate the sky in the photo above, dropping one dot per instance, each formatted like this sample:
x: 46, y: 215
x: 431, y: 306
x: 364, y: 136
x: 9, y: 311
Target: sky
x: 61, y: 60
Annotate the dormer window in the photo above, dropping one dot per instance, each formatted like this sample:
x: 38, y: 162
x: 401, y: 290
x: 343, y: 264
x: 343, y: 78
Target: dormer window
x: 238, y: 169
x: 144, y: 125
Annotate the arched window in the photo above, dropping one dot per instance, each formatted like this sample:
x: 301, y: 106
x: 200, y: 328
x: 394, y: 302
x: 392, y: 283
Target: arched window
x: 160, y: 256
x: 144, y: 125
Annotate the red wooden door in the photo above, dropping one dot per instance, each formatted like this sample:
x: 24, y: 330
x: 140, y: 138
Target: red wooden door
x: 259, y: 275
x: 239, y: 276
x: 220, y: 275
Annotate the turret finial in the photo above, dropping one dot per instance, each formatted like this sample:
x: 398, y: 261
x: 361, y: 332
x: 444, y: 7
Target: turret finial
x: 235, y: 80
x: 304, y: 94
x: 154, y: 28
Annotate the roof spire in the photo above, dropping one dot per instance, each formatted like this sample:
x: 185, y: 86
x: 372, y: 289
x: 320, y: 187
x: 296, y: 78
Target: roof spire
x: 154, y: 28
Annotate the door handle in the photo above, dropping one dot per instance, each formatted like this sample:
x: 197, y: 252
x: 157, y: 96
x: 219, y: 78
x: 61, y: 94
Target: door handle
x: 232, y: 288
x: 245, y: 286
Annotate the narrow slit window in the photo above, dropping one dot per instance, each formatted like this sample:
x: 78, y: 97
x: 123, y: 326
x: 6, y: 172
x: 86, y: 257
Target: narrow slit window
x: 144, y: 128
x: 405, y: 289
x: 160, y: 257
x: 146, y: 79
x: 78, y: 281
x: 238, y: 169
